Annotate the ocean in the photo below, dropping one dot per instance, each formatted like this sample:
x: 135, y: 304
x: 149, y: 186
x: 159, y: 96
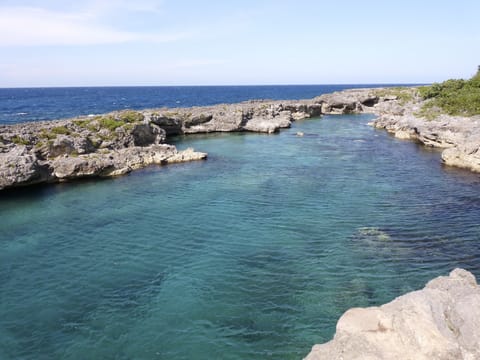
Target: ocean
x: 251, y: 254
x: 31, y: 104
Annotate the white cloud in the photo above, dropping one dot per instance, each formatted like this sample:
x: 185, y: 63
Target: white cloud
x: 28, y: 26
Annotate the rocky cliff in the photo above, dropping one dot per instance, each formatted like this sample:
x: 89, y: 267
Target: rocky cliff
x: 441, y: 321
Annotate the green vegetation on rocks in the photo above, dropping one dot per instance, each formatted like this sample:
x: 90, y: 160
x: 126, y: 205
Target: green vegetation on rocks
x: 403, y: 94
x: 108, y: 122
x: 131, y: 116
x: 112, y: 122
x: 19, y: 140
x: 453, y: 97
x: 60, y: 130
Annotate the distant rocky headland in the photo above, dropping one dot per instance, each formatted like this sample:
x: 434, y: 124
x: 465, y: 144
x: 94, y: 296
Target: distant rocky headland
x: 119, y: 142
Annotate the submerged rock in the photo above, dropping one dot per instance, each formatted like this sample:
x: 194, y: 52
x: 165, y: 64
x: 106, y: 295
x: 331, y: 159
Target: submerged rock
x: 441, y: 321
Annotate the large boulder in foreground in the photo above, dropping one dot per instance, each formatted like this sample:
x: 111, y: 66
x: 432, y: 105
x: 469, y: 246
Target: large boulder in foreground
x: 441, y: 321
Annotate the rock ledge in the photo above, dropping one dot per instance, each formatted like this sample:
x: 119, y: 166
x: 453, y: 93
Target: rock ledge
x: 441, y: 321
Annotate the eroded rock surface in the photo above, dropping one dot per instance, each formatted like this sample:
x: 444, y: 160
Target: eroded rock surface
x: 441, y: 321
x: 107, y: 145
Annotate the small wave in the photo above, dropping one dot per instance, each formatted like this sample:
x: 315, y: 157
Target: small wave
x: 91, y: 115
x: 21, y: 113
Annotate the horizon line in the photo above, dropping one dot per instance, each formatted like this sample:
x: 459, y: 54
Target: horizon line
x: 209, y: 85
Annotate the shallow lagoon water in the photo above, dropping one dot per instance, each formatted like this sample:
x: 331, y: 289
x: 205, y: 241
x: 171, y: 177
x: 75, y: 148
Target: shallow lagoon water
x: 252, y: 254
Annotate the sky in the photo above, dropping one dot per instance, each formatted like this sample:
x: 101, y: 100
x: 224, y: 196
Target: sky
x: 247, y: 42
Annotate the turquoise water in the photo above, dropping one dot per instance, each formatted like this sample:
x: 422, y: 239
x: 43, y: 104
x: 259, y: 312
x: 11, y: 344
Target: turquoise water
x: 252, y: 254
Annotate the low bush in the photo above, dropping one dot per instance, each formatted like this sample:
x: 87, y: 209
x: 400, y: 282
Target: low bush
x: 454, y: 97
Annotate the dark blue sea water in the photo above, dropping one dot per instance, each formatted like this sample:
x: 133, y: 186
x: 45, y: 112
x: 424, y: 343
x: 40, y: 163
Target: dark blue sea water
x: 30, y: 104
x: 251, y: 254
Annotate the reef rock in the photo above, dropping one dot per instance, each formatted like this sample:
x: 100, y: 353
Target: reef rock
x: 19, y: 167
x: 441, y: 321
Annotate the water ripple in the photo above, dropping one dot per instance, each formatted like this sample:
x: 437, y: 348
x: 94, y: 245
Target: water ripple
x: 252, y: 254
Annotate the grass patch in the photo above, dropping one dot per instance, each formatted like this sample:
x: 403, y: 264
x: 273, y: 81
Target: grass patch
x: 44, y: 134
x: 454, y: 97
x: 39, y: 144
x: 82, y: 123
x: 19, y: 140
x: 109, y: 122
x: 60, y: 130
x: 129, y: 127
x: 402, y: 94
x: 131, y: 116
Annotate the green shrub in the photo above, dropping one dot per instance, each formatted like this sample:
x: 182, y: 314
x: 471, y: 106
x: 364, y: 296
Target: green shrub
x: 454, y: 97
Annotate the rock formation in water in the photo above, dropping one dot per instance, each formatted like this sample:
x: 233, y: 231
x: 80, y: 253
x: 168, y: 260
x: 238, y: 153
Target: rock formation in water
x: 119, y: 142
x: 400, y: 112
x: 441, y: 321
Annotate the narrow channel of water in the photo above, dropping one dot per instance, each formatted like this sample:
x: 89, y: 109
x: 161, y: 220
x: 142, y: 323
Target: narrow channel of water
x: 252, y: 254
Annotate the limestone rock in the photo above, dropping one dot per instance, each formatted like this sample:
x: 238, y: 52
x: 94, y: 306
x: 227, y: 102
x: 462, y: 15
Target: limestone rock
x: 168, y: 122
x: 19, y: 167
x: 147, y: 134
x: 441, y: 321
x: 268, y: 125
x: 61, y: 145
x: 186, y: 155
x: 347, y: 102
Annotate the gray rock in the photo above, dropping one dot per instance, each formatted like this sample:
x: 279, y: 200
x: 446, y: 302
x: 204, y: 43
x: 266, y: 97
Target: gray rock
x: 268, y: 125
x: 19, y: 167
x: 61, y: 145
x: 119, y: 142
x: 198, y: 119
x: 169, y: 123
x: 442, y: 321
x: 148, y: 134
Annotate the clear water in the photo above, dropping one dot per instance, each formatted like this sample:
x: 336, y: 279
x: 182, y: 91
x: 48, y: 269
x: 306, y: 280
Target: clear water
x: 252, y: 254
x: 32, y: 104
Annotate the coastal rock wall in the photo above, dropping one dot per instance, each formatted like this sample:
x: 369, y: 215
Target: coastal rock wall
x: 107, y: 145
x: 399, y: 111
x: 458, y: 136
x: 441, y: 321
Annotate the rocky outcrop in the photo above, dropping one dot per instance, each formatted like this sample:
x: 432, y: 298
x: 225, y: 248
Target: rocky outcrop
x: 349, y: 101
x: 400, y: 112
x: 441, y: 321
x: 103, y: 146
x: 117, y: 143
x: 458, y: 136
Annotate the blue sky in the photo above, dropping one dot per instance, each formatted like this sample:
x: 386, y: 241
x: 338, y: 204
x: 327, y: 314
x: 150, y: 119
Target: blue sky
x: 186, y: 42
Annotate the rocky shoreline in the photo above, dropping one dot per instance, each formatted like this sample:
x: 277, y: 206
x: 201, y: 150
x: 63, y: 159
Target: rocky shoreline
x: 440, y: 321
x: 119, y: 142
x: 116, y: 143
